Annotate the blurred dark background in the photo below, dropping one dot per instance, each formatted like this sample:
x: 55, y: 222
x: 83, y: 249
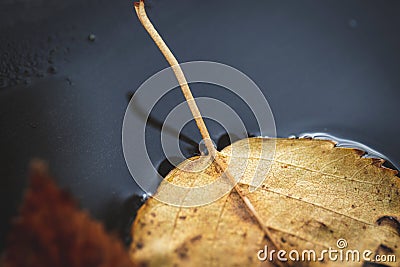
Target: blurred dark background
x: 68, y: 69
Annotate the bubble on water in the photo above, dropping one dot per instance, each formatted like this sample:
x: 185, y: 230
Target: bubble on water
x: 146, y: 196
x: 91, y: 37
x: 353, y: 23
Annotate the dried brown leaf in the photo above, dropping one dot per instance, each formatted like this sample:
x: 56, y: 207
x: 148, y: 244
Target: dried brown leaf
x: 51, y: 231
x: 313, y: 195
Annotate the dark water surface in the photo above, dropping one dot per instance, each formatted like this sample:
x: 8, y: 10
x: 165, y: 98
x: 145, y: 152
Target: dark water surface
x: 67, y: 69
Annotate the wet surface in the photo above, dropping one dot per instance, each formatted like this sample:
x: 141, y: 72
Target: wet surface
x: 66, y: 70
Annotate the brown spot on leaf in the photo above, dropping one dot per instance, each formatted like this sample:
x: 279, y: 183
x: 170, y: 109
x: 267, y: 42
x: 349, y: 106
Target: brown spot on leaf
x: 196, y: 238
x: 391, y: 221
x: 385, y: 249
x: 182, y: 251
x: 139, y: 245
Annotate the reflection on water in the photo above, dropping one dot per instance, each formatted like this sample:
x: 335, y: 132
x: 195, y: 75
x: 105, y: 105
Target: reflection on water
x: 341, y: 142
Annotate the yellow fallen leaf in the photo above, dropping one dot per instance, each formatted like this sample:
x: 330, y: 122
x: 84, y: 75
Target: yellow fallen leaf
x: 314, y: 197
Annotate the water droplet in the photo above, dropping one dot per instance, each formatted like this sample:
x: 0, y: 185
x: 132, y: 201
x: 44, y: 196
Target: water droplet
x: 305, y: 136
x: 52, y: 70
x: 353, y: 23
x: 145, y: 196
x: 92, y: 37
x: 27, y: 73
x: 3, y: 82
x: 68, y: 79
